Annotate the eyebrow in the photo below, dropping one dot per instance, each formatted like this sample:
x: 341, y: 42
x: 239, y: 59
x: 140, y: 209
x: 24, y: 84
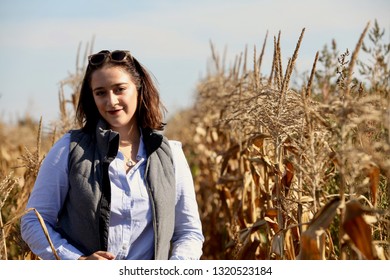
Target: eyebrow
x: 114, y: 85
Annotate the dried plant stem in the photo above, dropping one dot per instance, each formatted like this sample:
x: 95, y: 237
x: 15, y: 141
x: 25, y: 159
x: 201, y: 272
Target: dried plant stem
x: 299, y: 182
x: 342, y: 170
x: 62, y: 102
x: 43, y: 226
x: 215, y: 57
x: 310, y: 82
x: 3, y: 236
x: 283, y: 90
x: 256, y: 70
x: 39, y: 141
x: 279, y: 55
x: 262, y: 53
x: 277, y: 66
x: 245, y: 60
x: 290, y: 68
x: 271, y: 77
x: 78, y: 56
x: 238, y: 66
x: 279, y: 197
x: 354, y: 58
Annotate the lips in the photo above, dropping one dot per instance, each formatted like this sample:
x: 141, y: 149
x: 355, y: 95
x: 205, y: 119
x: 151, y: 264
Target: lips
x: 114, y: 112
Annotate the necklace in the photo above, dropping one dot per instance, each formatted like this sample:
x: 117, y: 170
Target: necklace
x: 129, y: 162
x: 128, y: 147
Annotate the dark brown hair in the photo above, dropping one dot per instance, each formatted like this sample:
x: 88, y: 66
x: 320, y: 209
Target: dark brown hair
x: 150, y: 110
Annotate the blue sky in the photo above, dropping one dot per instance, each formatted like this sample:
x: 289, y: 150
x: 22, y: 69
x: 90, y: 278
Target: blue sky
x: 39, y: 40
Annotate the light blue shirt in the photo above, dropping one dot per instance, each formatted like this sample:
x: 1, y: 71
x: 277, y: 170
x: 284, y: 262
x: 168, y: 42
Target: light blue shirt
x: 131, y: 233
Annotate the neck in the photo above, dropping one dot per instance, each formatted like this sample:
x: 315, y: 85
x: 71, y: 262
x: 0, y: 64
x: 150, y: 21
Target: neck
x: 129, y: 135
x: 129, y: 138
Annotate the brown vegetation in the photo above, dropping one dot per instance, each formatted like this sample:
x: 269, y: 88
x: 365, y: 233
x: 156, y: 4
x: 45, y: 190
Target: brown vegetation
x: 285, y: 173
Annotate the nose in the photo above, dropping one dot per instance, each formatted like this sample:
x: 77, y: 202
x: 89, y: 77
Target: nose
x: 112, y: 99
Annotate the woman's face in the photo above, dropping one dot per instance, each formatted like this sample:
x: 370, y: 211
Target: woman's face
x: 115, y: 95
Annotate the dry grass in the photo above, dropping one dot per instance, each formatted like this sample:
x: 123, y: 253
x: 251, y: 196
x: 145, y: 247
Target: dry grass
x: 286, y: 173
x: 280, y: 172
x: 22, y: 152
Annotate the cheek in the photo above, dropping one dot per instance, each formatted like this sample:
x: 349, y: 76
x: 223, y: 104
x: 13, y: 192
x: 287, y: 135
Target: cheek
x: 135, y: 102
x: 99, y: 103
x: 135, y: 99
x: 132, y: 100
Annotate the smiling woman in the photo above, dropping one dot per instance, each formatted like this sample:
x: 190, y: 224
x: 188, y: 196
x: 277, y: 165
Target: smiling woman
x: 117, y: 174
x: 115, y: 96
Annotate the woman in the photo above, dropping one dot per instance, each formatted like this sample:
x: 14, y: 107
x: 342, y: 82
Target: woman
x: 115, y: 189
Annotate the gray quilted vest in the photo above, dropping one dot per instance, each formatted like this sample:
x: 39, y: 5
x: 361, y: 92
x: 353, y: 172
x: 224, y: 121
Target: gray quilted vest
x: 84, y: 218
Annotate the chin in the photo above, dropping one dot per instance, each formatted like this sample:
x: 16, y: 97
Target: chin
x: 118, y: 124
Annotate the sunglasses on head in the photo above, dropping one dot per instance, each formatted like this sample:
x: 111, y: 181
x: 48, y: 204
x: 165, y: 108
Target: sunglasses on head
x: 100, y: 57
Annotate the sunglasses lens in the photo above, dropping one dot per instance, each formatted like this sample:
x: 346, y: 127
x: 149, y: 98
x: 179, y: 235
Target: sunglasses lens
x: 97, y: 58
x: 118, y: 55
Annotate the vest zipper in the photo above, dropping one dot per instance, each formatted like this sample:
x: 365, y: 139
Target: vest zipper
x: 151, y: 199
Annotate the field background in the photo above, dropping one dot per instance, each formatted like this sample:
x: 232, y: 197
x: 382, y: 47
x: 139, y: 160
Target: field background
x: 286, y: 166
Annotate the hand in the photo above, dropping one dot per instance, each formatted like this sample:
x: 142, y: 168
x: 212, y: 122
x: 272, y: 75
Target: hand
x: 99, y: 255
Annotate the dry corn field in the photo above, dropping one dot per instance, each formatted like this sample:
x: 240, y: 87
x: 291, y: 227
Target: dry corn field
x: 281, y: 172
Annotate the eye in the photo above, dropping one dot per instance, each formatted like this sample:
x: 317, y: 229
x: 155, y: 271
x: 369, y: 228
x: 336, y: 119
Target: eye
x: 99, y: 92
x: 120, y: 89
